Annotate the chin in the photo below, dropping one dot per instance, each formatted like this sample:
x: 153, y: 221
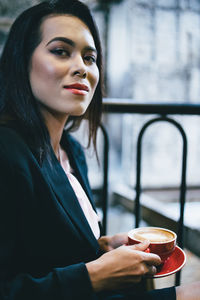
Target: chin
x: 79, y: 112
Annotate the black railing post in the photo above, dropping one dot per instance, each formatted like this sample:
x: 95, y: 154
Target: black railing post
x: 180, y: 230
x: 105, y: 179
x: 180, y: 235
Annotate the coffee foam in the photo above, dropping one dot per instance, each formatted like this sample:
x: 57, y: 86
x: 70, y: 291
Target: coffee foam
x: 153, y: 235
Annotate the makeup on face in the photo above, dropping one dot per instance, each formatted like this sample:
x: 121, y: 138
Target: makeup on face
x: 63, y: 69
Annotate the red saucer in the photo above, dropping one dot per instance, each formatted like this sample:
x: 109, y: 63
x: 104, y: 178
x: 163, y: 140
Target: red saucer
x: 173, y: 264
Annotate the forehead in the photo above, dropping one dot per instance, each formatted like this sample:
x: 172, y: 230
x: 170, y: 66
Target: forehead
x: 65, y: 26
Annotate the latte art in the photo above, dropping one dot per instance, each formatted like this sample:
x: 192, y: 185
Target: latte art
x: 153, y: 235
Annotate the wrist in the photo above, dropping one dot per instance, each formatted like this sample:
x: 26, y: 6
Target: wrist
x: 94, y: 271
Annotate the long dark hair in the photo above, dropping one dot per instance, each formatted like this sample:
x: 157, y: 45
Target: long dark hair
x: 16, y: 99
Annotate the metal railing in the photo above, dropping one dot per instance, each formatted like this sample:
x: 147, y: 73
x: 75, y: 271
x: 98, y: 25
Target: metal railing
x: 162, y: 110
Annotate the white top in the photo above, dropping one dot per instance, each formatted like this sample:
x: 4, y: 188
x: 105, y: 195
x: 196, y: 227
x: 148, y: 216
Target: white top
x: 84, y: 202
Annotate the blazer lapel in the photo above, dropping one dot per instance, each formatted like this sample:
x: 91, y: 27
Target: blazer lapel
x: 67, y: 198
x: 79, y: 165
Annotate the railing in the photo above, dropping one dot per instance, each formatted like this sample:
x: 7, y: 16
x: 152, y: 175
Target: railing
x: 162, y: 110
x: 129, y: 106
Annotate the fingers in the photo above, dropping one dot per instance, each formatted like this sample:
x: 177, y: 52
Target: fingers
x: 149, y: 258
x: 119, y: 239
x: 108, y: 243
x: 152, y: 270
x: 141, y: 246
x: 104, y: 243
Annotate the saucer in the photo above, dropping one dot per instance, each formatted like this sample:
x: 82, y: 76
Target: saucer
x: 173, y: 264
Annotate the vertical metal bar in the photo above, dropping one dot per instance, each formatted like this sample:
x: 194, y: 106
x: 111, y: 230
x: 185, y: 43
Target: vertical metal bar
x: 180, y: 230
x: 105, y: 179
x: 137, y: 209
x: 180, y: 235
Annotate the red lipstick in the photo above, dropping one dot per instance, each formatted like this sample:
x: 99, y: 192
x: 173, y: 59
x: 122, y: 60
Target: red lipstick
x: 77, y: 88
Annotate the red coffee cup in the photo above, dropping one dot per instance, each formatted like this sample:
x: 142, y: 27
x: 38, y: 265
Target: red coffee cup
x: 162, y: 241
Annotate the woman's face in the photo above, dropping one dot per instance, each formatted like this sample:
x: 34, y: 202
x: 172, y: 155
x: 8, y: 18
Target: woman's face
x: 63, y: 70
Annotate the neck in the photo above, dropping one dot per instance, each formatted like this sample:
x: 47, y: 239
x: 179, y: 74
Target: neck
x: 55, y: 125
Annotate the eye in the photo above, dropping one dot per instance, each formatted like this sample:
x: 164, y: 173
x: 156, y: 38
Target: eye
x: 90, y: 59
x: 60, y: 52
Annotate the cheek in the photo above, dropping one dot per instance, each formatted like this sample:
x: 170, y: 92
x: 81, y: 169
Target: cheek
x: 43, y: 70
x: 44, y: 76
x: 95, y: 78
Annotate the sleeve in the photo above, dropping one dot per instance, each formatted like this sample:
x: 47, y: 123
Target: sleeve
x: 70, y: 282
x: 164, y: 294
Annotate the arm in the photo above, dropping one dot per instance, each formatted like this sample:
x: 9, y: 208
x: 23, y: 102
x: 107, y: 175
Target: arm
x: 58, y: 283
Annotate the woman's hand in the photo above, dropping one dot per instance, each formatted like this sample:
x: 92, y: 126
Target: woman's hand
x: 122, y: 267
x: 108, y: 243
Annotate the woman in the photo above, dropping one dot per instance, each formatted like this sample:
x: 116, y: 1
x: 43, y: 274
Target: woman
x: 50, y: 244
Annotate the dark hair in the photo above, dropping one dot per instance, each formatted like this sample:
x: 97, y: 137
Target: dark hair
x: 16, y: 98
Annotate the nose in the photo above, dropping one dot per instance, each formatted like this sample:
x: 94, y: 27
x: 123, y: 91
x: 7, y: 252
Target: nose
x: 80, y: 74
x: 79, y: 67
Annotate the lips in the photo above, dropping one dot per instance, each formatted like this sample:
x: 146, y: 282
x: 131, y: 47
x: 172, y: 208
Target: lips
x: 77, y: 86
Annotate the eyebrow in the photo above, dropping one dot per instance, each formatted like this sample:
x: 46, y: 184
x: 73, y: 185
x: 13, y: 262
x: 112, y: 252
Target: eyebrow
x: 71, y: 43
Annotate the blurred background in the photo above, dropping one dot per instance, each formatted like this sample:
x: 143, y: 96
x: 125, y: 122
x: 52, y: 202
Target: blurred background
x: 151, y: 51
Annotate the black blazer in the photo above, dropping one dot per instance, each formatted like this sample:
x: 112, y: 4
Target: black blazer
x: 45, y: 239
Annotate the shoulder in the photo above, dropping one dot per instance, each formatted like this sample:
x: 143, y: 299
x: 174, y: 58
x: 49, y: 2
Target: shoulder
x: 13, y: 148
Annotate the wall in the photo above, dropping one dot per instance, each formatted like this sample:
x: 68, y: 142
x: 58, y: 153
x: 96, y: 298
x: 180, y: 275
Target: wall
x: 155, y: 43
x: 154, y: 55
x: 9, y: 9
